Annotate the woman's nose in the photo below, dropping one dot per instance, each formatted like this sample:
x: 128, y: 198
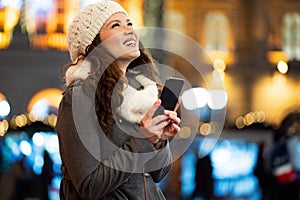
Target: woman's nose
x: 128, y: 30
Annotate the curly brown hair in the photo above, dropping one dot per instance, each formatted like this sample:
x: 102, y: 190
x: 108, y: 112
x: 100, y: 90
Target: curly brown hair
x: 104, y: 76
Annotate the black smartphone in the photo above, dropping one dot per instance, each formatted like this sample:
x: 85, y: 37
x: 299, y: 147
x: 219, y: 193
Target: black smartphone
x: 170, y: 94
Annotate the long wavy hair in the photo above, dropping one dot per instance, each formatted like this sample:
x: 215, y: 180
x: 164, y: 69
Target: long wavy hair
x: 104, y: 76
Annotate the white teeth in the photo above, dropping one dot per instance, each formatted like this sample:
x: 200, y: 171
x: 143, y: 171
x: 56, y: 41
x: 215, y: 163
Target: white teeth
x: 130, y: 43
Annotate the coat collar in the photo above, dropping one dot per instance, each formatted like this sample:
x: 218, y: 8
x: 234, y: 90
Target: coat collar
x: 138, y: 96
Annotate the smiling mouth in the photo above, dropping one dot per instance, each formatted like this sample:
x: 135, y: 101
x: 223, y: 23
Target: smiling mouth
x: 130, y: 43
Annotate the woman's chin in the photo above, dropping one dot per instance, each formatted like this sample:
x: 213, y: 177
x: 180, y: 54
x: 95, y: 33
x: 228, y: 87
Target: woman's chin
x: 132, y: 55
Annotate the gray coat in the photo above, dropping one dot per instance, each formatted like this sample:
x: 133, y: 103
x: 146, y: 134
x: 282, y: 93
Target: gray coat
x: 99, y: 166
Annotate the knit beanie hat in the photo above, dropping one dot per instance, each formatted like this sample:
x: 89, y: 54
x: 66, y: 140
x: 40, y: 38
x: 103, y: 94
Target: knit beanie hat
x: 87, y: 24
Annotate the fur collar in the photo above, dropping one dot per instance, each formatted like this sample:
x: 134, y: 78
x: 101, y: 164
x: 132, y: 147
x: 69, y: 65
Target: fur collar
x: 135, y: 102
x: 79, y: 71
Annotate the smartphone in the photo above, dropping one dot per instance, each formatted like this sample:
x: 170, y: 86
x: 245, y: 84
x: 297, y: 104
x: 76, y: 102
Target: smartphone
x: 170, y: 94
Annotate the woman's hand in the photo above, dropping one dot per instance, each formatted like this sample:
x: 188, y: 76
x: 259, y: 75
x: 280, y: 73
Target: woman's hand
x: 160, y: 127
x: 173, y: 126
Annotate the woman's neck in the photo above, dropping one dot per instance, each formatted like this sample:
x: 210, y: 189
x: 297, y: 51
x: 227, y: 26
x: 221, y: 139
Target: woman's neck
x: 123, y: 65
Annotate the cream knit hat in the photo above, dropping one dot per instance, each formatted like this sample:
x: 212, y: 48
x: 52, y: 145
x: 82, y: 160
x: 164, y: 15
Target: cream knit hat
x: 87, y: 24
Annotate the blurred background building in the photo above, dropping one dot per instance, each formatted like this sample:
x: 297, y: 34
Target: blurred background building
x: 253, y: 46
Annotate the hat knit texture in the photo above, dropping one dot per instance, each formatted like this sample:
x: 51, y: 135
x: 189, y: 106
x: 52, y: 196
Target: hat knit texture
x: 87, y: 24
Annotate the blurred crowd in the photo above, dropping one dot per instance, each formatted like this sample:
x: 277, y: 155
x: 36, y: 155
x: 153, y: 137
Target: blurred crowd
x: 278, y: 166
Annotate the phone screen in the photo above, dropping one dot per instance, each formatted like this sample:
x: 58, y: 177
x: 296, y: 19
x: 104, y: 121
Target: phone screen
x: 170, y: 94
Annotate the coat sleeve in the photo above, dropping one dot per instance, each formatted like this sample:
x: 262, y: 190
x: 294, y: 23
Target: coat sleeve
x: 94, y: 167
x: 160, y: 165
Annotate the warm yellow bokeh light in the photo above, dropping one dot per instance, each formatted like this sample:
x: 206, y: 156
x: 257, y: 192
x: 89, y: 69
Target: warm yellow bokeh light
x: 52, y: 119
x: 260, y: 116
x: 282, y: 67
x: 9, y: 17
x: 3, y: 127
x: 276, y: 56
x: 205, y: 129
x: 52, y: 95
x: 2, y: 96
x: 219, y: 64
x: 239, y: 122
x: 21, y: 120
x: 185, y: 132
x: 57, y: 41
x: 249, y: 119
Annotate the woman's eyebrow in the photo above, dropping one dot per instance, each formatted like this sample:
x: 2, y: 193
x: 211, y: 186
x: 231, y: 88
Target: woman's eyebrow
x: 117, y: 21
x: 113, y: 21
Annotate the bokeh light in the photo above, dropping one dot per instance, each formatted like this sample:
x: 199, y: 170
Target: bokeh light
x: 25, y: 147
x: 282, y: 67
x: 218, y: 99
x: 44, y: 103
x: 38, y: 139
x: 194, y: 98
x: 4, y: 106
x: 219, y: 64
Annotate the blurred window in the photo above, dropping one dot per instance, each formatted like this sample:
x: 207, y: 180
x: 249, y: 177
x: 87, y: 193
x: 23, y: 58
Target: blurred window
x: 291, y: 36
x: 216, y: 31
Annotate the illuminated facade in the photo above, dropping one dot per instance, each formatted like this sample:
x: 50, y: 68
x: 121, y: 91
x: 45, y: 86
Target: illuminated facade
x: 256, y: 41
x: 46, y: 22
x: 9, y: 17
x: 242, y: 38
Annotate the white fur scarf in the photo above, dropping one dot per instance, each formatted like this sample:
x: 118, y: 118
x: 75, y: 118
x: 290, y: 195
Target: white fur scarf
x: 79, y: 71
x: 137, y: 102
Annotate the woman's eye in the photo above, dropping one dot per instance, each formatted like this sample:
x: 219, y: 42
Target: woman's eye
x: 129, y: 24
x: 115, y: 25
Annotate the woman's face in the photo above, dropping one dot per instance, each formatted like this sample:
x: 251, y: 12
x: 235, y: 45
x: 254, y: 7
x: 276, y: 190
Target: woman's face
x: 118, y: 36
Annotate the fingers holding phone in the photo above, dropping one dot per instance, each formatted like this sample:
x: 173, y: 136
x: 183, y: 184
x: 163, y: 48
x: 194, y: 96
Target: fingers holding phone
x: 161, y: 121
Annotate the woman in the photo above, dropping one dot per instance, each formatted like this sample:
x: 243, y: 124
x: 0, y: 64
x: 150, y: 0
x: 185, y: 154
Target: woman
x: 110, y: 144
